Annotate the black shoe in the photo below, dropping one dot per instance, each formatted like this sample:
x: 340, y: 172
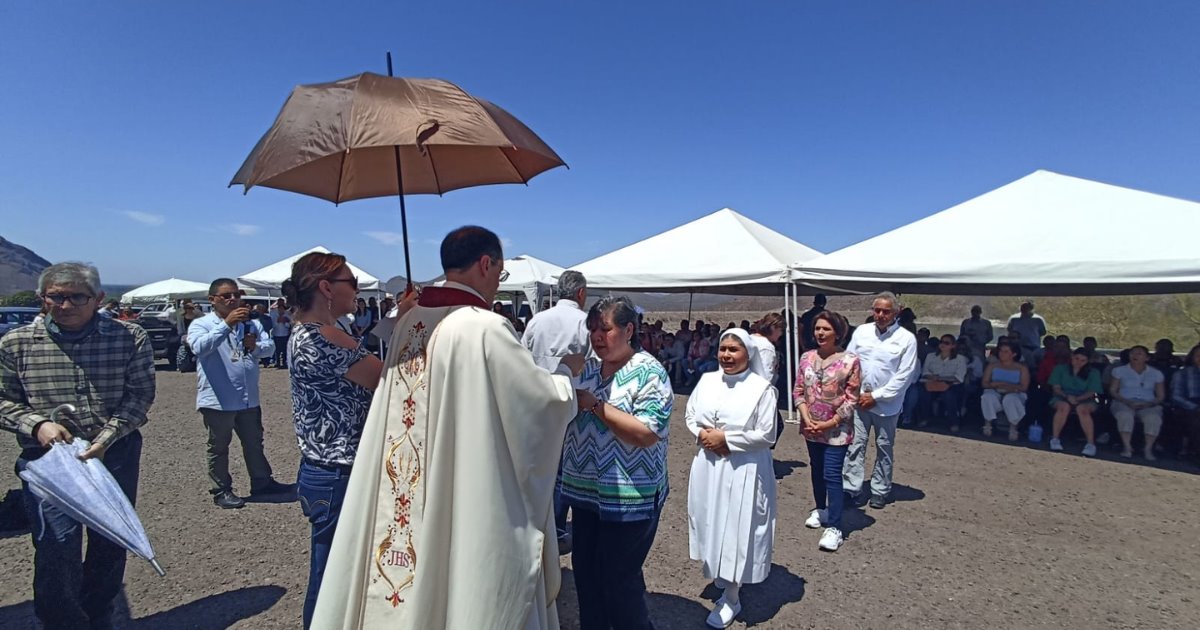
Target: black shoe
x: 274, y: 488
x: 564, y: 545
x: 877, y: 502
x: 227, y: 500
x: 850, y: 499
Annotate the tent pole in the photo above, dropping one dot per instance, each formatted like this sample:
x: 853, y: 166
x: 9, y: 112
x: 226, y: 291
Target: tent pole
x: 690, y: 296
x: 790, y: 326
x: 796, y: 339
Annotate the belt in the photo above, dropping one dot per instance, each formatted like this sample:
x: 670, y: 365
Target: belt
x: 329, y: 467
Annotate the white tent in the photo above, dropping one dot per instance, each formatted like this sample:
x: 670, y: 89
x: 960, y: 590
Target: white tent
x: 1043, y: 234
x: 723, y: 252
x: 524, y: 274
x: 271, y: 277
x: 169, y: 289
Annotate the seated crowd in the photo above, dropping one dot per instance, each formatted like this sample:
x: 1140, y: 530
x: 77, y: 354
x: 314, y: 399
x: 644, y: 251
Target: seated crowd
x: 1139, y: 400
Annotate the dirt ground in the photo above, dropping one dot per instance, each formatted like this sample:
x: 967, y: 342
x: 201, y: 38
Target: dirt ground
x: 981, y: 533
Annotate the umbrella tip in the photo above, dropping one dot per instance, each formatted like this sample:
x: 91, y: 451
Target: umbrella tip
x: 158, y: 568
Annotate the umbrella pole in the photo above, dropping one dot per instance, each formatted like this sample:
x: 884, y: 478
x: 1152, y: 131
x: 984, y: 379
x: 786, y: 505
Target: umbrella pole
x: 403, y: 219
x: 403, y: 212
x: 690, y: 296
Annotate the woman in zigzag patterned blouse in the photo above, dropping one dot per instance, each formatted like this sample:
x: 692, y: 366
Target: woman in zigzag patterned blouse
x: 614, y: 468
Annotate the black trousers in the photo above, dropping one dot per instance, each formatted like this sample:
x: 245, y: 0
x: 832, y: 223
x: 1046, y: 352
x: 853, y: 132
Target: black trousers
x: 607, y: 557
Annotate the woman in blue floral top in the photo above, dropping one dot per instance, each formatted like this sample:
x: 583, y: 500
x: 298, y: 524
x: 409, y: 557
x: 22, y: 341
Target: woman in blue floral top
x: 614, y: 468
x: 333, y: 379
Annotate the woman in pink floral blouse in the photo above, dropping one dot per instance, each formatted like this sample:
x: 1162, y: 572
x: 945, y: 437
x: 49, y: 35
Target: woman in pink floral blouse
x: 826, y: 392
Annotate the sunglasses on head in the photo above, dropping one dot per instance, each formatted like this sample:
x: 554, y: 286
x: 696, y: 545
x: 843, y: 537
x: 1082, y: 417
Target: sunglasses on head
x: 78, y: 299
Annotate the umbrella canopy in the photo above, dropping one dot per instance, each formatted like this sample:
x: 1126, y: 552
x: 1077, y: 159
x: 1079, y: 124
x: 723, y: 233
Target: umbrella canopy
x: 335, y: 141
x: 1043, y: 234
x: 169, y: 289
x: 271, y: 277
x: 374, y: 136
x: 87, y: 492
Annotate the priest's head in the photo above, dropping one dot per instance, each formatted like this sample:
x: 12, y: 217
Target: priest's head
x: 472, y: 255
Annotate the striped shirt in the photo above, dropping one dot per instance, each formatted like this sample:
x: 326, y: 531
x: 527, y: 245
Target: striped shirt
x: 603, y: 474
x: 107, y: 375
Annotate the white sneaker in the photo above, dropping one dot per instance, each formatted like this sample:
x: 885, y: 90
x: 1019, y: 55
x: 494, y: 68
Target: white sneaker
x: 831, y: 540
x: 1055, y: 444
x: 815, y: 520
x: 1089, y: 450
x: 723, y: 614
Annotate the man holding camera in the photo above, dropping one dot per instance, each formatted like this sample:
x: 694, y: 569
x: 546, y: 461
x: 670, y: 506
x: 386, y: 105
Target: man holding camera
x: 228, y: 343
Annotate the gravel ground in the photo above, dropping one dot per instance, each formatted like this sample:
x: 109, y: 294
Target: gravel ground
x: 979, y: 534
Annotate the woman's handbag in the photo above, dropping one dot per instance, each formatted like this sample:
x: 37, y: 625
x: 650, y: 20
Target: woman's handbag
x: 936, y: 387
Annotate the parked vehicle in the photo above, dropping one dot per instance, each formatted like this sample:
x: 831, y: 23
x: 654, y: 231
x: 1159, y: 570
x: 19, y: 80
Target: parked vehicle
x: 15, y: 316
x: 164, y: 336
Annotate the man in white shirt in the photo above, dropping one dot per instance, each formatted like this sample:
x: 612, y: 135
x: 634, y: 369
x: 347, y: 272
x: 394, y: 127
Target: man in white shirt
x: 887, y: 354
x: 551, y: 335
x: 1137, y: 391
x: 561, y: 330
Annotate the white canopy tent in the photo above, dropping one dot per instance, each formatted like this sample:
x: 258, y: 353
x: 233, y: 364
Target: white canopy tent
x: 525, y: 274
x: 723, y: 252
x: 1043, y: 234
x: 271, y: 277
x: 169, y: 289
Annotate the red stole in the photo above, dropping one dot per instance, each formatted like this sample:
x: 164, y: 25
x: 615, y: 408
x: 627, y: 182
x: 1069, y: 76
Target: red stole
x: 434, y: 297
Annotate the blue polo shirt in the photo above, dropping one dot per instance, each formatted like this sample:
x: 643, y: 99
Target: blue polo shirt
x: 227, y: 377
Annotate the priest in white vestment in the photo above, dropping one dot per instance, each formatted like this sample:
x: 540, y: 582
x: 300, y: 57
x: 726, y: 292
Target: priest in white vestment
x: 731, y: 491
x: 447, y: 521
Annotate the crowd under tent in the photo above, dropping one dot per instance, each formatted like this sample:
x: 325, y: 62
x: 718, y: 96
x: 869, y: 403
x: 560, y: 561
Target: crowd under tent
x: 1043, y: 234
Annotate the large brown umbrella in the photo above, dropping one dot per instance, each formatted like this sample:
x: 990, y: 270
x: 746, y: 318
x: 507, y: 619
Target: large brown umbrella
x: 375, y: 136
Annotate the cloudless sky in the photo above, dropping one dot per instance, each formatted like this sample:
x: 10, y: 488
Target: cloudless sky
x: 121, y: 123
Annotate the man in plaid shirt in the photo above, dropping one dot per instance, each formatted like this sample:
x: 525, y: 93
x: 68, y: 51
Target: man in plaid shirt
x: 104, y: 368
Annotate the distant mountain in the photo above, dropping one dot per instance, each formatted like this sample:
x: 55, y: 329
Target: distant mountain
x: 19, y: 268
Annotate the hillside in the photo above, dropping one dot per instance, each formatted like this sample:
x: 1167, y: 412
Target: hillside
x: 19, y: 267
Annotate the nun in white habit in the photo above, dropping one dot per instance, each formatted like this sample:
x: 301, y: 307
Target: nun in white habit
x: 731, y: 491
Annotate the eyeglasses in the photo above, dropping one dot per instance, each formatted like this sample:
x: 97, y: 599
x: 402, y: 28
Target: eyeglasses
x: 882, y: 311
x: 353, y: 280
x: 503, y: 275
x: 231, y: 295
x: 78, y: 299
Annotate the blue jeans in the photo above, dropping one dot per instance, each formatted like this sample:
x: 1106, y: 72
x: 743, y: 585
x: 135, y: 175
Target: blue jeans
x: 322, y: 491
x: 72, y: 590
x: 950, y: 402
x: 608, y: 558
x: 825, y: 462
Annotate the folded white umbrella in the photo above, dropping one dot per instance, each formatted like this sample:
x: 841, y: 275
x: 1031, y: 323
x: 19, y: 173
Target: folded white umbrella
x: 87, y: 492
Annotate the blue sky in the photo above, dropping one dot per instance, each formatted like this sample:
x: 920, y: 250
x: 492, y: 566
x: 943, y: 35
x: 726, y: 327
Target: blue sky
x: 122, y: 123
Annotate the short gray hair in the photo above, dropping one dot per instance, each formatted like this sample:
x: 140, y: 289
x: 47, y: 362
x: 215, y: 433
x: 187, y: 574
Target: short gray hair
x: 569, y: 284
x: 70, y: 273
x: 891, y: 298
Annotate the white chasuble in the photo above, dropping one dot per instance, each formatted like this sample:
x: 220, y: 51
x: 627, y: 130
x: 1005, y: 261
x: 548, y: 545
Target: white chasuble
x: 448, y: 519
